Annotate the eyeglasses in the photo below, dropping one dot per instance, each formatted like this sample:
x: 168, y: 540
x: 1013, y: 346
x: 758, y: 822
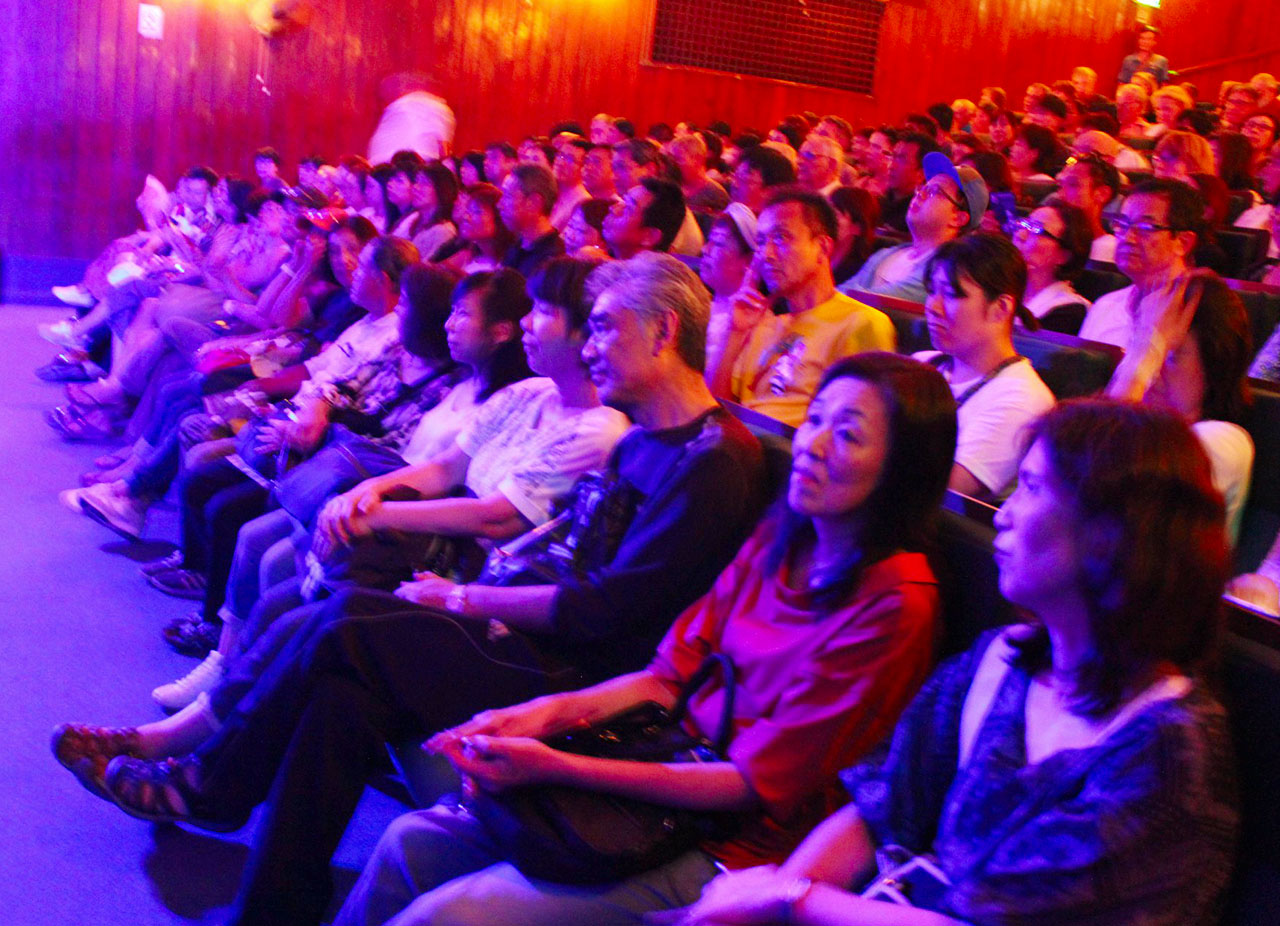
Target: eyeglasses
x: 1035, y: 229
x: 928, y: 192
x: 1121, y: 226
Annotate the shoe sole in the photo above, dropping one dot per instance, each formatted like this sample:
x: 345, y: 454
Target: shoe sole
x: 212, y: 826
x: 93, y: 513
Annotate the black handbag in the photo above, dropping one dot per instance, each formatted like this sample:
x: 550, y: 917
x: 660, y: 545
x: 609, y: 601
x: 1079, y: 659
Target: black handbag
x: 574, y: 836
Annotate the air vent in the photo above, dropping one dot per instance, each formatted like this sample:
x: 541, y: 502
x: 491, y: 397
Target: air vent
x: 826, y: 43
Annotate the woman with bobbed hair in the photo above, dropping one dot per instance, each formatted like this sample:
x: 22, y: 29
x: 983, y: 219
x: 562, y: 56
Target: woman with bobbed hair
x: 482, y: 239
x: 1234, y: 157
x: 1054, y: 240
x: 429, y: 226
x: 1190, y: 355
x: 1182, y: 155
x: 585, y: 228
x: 857, y: 215
x: 1032, y: 154
x: 827, y: 614
x: 1072, y: 769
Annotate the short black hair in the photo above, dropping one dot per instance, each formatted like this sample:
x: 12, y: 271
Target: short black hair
x: 503, y: 147
x: 1053, y: 103
x: 1044, y: 142
x: 819, y: 216
x: 268, y: 154
x: 793, y: 135
x: 991, y: 261
x: 661, y: 132
x: 1200, y: 121
x: 536, y: 180
x: 771, y: 164
x: 942, y: 114
x: 1101, y: 122
x: 626, y: 127
x: 200, y: 172
x: 924, y: 144
x: 666, y: 212
x: 1101, y: 172
x: 314, y: 160
x: 720, y: 127
x: 562, y: 282
x: 1186, y: 204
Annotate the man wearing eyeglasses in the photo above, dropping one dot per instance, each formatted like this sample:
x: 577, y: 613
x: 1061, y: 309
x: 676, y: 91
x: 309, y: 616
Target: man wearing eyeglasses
x: 1156, y: 232
x: 950, y: 202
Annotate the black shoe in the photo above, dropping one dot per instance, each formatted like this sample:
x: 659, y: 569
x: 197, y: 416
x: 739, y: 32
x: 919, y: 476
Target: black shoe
x: 193, y: 637
x: 62, y: 370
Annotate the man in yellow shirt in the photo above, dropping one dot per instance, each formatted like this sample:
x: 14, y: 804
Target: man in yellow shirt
x: 772, y: 362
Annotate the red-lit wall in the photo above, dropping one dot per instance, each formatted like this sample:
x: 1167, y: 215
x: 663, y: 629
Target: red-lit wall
x: 89, y: 107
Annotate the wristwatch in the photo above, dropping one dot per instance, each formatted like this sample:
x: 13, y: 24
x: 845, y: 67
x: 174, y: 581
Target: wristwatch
x: 456, y: 601
x: 791, y: 897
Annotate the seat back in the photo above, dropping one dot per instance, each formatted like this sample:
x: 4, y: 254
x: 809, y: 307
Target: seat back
x: 1262, y: 303
x: 1245, y: 248
x: 1262, y: 512
x: 1097, y: 279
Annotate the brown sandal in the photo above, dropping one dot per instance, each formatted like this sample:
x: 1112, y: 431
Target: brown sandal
x: 85, y: 751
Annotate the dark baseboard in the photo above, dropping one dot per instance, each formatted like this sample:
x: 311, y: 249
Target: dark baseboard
x: 26, y: 280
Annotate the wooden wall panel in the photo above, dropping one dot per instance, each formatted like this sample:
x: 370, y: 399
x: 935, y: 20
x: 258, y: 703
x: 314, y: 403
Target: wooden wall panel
x: 89, y: 107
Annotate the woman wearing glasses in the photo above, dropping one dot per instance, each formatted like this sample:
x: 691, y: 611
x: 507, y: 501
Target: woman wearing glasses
x: 1054, y: 240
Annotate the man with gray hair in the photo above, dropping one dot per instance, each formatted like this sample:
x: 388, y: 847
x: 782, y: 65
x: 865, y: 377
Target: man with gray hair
x: 683, y: 489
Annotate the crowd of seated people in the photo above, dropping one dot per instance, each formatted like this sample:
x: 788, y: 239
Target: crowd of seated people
x: 380, y: 393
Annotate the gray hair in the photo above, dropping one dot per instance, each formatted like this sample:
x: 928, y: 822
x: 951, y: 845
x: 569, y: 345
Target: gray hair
x: 652, y: 284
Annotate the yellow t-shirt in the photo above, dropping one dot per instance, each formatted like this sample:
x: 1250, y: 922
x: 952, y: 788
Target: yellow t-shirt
x: 778, y: 371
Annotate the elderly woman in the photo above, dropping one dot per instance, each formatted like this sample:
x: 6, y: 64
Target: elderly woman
x: 1054, y: 240
x: 827, y: 614
x: 1073, y: 769
x: 1182, y: 155
x: 1169, y: 103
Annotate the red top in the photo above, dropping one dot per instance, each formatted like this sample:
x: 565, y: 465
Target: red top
x: 815, y: 690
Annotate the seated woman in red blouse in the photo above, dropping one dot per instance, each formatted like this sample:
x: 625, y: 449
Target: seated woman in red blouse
x: 829, y: 615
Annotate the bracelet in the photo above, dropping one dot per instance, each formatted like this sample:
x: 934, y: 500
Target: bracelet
x: 456, y: 601
x: 792, y: 896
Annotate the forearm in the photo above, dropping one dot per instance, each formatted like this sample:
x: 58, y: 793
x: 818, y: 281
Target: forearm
x: 722, y: 354
x: 589, y: 706
x: 827, y: 905
x: 839, y: 851
x: 525, y: 607
x: 1138, y: 368
x: 691, y: 785
x: 494, y: 517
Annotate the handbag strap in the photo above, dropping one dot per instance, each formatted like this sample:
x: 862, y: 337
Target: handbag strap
x: 724, y: 728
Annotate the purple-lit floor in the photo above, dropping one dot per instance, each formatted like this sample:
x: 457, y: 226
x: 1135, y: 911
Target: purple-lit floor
x: 79, y: 642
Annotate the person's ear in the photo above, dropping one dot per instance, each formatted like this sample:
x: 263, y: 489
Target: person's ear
x: 503, y: 331
x: 665, y: 331
x: 650, y: 237
x: 1002, y: 309
x: 1186, y: 242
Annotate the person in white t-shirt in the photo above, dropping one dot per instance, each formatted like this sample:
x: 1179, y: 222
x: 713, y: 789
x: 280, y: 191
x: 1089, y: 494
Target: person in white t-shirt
x: 522, y: 450
x: 414, y: 120
x: 1156, y: 233
x: 974, y: 287
x: 1190, y: 354
x: 1259, y: 215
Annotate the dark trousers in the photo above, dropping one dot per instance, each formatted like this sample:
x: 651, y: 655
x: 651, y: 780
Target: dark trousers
x: 217, y: 500
x: 366, y: 670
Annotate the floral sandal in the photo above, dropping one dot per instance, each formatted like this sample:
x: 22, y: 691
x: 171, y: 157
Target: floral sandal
x: 85, y: 751
x: 164, y: 791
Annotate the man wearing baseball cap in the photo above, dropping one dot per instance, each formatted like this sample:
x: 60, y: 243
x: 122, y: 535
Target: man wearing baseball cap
x: 949, y: 203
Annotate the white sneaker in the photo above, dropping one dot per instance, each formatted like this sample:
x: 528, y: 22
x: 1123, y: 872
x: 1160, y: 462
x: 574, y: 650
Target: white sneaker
x: 70, y: 499
x: 204, y: 677
x: 73, y: 295
x: 114, y: 508
x: 60, y: 333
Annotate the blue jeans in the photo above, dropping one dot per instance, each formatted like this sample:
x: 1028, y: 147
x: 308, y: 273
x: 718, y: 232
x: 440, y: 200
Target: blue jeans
x: 439, y: 866
x: 264, y: 558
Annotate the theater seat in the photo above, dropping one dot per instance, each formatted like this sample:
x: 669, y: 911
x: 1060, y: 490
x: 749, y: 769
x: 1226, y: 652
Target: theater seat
x: 1262, y: 303
x: 1245, y: 249
x: 1097, y: 279
x: 1262, y: 511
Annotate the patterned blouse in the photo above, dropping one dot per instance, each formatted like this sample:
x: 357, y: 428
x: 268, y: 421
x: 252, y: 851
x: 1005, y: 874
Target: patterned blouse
x: 1137, y: 829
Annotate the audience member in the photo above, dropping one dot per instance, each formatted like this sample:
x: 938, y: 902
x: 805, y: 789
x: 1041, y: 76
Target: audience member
x: 773, y: 363
x: 951, y: 201
x: 975, y: 287
x: 1145, y: 60
x: 1054, y: 240
x: 647, y: 218
x: 1090, y: 184
x: 1156, y: 233
x: 906, y: 174
x: 818, y: 168
x: 528, y: 195
x: 758, y: 171
x: 702, y: 195
x: 857, y: 216
x: 570, y: 190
